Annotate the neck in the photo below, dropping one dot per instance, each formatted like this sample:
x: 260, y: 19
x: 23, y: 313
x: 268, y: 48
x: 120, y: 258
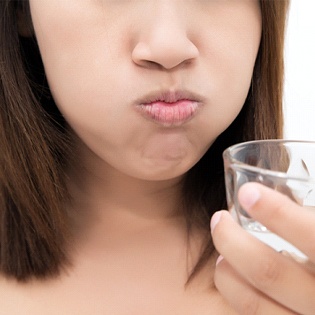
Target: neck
x: 104, y: 199
x: 117, y: 215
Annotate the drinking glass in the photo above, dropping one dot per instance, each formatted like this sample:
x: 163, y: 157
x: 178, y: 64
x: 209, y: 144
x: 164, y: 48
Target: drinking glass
x: 287, y: 166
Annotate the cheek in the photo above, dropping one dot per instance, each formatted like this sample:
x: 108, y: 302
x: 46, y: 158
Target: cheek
x: 231, y: 49
x: 73, y: 46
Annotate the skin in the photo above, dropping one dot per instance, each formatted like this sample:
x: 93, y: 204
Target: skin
x: 129, y: 238
x: 267, y: 282
x: 114, y: 53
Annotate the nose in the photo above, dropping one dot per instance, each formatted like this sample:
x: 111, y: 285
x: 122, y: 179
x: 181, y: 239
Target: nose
x: 164, y: 43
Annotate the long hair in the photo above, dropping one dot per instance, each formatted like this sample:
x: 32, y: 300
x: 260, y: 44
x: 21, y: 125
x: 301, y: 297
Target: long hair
x: 33, y: 224
x: 35, y: 145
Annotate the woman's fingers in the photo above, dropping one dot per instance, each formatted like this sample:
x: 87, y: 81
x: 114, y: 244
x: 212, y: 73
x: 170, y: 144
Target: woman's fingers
x: 281, y: 215
x: 274, y: 275
x: 242, y: 296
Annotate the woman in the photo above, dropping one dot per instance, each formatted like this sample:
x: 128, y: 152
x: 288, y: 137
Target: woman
x: 111, y: 150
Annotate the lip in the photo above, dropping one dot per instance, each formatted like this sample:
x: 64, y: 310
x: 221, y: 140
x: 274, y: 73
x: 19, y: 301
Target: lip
x: 169, y: 109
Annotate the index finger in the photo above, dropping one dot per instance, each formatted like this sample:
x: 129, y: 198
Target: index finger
x: 280, y: 215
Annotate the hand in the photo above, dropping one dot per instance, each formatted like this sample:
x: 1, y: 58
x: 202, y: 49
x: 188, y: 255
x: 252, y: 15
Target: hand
x: 252, y: 276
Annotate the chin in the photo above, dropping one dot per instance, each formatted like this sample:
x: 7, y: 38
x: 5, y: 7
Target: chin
x: 163, y: 174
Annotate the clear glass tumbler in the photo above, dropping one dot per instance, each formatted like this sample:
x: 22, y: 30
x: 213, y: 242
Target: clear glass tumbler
x: 287, y: 166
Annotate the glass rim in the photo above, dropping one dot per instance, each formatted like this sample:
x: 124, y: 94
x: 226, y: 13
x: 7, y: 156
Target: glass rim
x: 240, y: 165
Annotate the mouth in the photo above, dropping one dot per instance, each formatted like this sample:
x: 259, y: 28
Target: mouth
x: 169, y: 109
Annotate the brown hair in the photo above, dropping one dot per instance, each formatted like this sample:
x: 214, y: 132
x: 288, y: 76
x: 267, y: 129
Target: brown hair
x: 35, y: 147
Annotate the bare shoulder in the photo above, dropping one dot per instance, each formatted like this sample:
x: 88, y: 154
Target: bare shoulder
x: 21, y: 298
x: 96, y: 287
x: 9, y: 296
x: 44, y: 298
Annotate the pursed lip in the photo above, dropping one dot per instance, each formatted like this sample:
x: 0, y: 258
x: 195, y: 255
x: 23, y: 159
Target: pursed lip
x: 169, y: 108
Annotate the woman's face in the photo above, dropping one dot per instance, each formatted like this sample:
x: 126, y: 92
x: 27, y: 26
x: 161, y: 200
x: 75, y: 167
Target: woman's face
x: 148, y: 85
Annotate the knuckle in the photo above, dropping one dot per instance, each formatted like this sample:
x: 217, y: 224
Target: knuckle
x: 280, y: 208
x: 250, y: 305
x: 267, y: 273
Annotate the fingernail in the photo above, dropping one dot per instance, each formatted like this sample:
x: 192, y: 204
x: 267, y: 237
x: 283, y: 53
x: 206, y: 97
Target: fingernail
x: 248, y: 196
x: 214, y: 220
x: 220, y: 258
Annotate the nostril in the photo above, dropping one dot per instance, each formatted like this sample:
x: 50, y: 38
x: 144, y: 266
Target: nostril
x: 149, y: 64
x: 165, y: 53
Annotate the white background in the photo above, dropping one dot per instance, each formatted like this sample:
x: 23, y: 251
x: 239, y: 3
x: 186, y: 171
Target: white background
x: 299, y: 98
